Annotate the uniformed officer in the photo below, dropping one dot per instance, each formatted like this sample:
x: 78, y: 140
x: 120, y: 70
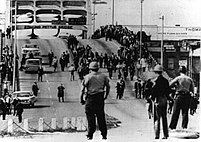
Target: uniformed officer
x: 184, y: 88
x: 159, y: 95
x: 20, y: 109
x: 97, y: 87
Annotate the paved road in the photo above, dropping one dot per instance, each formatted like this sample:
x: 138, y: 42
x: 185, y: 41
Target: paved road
x: 130, y: 111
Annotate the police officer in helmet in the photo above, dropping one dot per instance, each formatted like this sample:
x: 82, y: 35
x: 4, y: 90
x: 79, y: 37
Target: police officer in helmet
x: 96, y: 86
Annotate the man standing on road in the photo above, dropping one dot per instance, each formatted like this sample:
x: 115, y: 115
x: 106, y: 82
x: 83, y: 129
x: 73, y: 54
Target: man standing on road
x: 35, y: 89
x: 120, y: 88
x: 20, y: 109
x: 184, y: 88
x: 60, y: 93
x: 50, y: 57
x: 159, y: 95
x: 96, y: 86
x: 40, y: 73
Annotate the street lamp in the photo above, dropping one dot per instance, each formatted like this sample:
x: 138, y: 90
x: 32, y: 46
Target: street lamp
x: 94, y: 11
x: 112, y: 12
x: 141, y: 1
x: 162, y: 34
x: 15, y: 45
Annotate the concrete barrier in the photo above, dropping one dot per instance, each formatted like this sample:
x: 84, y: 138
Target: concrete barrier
x: 75, y: 123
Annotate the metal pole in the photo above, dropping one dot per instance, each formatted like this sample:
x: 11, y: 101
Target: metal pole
x: 11, y: 20
x: 1, y: 80
x: 15, y: 46
x: 162, y: 29
x: 141, y: 28
x: 94, y: 16
x: 112, y: 12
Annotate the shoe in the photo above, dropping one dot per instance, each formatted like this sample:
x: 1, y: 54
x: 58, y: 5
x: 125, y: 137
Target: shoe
x: 156, y: 137
x: 104, y: 138
x: 165, y: 138
x: 89, y: 137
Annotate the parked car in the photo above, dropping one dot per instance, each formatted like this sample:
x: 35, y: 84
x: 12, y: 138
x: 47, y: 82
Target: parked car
x: 32, y: 65
x: 26, y: 97
x: 26, y: 48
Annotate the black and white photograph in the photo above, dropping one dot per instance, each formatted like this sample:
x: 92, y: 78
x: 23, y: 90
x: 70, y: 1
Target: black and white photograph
x: 100, y: 70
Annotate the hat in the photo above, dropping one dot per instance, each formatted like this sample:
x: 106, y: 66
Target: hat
x: 158, y: 68
x: 93, y: 65
x: 182, y: 69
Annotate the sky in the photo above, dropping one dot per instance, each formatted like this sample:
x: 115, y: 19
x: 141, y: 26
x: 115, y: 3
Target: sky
x: 127, y: 12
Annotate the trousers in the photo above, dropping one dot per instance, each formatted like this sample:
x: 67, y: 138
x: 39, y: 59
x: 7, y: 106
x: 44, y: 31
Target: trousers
x: 160, y: 112
x: 95, y: 108
x: 182, y: 103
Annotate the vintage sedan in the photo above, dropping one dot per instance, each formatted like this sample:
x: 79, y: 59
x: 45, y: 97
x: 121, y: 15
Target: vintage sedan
x: 33, y: 48
x: 26, y: 97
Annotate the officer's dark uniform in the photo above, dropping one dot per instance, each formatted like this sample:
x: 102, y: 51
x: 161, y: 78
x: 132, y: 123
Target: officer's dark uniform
x: 20, y: 110
x: 95, y: 84
x: 160, y: 93
x: 184, y: 88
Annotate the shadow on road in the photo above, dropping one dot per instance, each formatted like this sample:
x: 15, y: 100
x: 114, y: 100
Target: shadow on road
x: 36, y: 106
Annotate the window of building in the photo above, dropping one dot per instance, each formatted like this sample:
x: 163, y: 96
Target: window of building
x: 170, y: 63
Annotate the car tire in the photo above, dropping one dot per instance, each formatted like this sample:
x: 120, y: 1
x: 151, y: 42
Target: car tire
x: 32, y: 104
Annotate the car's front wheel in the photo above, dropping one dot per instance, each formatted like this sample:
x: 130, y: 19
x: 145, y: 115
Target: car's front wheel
x: 32, y: 104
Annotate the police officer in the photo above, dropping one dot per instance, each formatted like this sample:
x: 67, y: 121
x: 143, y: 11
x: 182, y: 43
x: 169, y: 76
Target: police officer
x: 184, y: 88
x: 20, y: 109
x: 159, y: 95
x: 97, y: 87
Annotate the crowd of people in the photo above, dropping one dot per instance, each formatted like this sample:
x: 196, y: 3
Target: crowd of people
x: 128, y: 60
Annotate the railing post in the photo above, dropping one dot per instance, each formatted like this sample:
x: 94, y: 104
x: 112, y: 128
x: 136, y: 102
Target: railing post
x: 10, y: 126
x: 54, y: 123
x: 40, y: 124
x: 26, y: 124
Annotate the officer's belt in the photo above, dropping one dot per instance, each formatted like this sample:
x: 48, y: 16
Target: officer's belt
x: 183, y: 93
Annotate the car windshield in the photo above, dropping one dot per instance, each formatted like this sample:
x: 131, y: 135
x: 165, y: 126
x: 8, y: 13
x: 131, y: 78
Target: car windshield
x: 31, y: 46
x: 23, y: 94
x: 33, y: 62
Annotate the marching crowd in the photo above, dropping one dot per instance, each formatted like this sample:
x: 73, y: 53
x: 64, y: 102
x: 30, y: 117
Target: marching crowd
x: 127, y: 63
x: 8, y: 104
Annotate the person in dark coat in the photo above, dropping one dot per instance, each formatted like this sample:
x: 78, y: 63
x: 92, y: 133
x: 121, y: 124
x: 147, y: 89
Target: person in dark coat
x: 67, y: 58
x: 35, y: 89
x: 138, y: 88
x: 55, y: 63
x: 60, y: 93
x: 120, y: 88
x: 50, y: 57
x: 3, y: 108
x: 148, y: 87
x: 159, y: 95
x: 40, y: 73
x: 110, y: 70
x: 20, y: 109
x: 14, y: 103
x: 8, y: 32
x: 62, y: 62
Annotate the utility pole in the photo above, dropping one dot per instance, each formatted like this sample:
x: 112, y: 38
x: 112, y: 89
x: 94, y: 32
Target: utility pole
x: 15, y: 47
x: 141, y: 2
x: 113, y: 12
x: 162, y: 34
x: 94, y: 16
